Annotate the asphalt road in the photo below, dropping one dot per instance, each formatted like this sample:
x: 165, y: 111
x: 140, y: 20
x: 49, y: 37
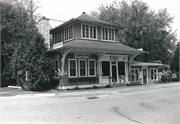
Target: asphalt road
x: 158, y: 104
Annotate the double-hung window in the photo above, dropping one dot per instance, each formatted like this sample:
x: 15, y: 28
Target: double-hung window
x: 108, y: 34
x: 57, y: 37
x: 82, y: 68
x: 68, y: 33
x: 72, y: 63
x: 153, y: 74
x: 134, y: 75
x: 92, y: 67
x: 89, y: 31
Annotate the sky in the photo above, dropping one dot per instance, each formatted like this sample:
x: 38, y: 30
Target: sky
x: 64, y: 10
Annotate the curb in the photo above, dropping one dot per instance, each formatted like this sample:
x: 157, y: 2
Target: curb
x: 14, y: 87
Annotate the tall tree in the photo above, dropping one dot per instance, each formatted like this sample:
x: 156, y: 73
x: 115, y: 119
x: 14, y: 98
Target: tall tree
x: 143, y: 28
x: 175, y: 61
x: 32, y: 60
x: 16, y: 28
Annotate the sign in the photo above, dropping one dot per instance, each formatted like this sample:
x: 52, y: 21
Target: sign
x: 114, y: 58
x: 58, y: 45
x: 19, y: 72
x: 82, y: 55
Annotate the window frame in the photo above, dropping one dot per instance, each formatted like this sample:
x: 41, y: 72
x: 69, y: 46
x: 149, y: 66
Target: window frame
x: 134, y: 75
x: 108, y: 34
x: 54, y: 36
x: 68, y: 32
x: 69, y: 68
x: 154, y: 74
x: 80, y: 68
x: 89, y: 30
x: 94, y: 68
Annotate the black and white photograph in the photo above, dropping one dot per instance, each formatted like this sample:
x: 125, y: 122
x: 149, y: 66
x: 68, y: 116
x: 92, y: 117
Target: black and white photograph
x: 90, y: 62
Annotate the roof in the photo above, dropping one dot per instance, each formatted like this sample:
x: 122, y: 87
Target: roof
x: 137, y: 63
x: 100, y: 46
x: 86, y: 18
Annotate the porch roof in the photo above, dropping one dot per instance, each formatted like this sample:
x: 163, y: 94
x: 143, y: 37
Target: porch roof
x: 137, y: 63
x: 98, y: 46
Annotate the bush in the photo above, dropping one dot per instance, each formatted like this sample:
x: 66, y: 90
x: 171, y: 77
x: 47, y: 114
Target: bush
x: 164, y: 78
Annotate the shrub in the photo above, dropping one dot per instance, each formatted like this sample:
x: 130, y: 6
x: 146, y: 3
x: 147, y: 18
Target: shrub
x: 164, y: 78
x: 108, y: 86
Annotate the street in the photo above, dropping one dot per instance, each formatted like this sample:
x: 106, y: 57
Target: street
x: 159, y: 105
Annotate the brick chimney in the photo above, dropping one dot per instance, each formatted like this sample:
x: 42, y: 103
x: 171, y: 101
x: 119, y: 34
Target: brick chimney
x: 44, y: 28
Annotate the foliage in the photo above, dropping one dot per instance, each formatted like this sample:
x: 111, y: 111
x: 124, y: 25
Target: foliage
x: 175, y: 60
x: 17, y: 27
x: 32, y: 57
x: 143, y: 28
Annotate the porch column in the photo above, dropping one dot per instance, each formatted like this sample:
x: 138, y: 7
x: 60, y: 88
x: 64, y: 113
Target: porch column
x: 64, y: 53
x: 100, y: 55
x: 129, y: 68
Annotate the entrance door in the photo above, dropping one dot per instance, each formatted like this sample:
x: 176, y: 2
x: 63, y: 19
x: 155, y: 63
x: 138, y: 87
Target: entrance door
x: 144, y: 75
x: 114, y: 73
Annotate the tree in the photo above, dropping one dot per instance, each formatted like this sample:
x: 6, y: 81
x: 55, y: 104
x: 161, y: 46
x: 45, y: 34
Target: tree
x: 32, y: 59
x: 175, y: 60
x: 143, y: 28
x: 16, y: 28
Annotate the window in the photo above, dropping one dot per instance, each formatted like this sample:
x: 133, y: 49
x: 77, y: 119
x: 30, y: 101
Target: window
x: 108, y: 34
x: 134, y: 74
x: 56, y: 66
x: 121, y: 68
x: 92, y: 68
x: 68, y: 33
x: 72, y: 63
x: 106, y: 68
x: 89, y: 31
x: 82, y: 68
x: 57, y: 37
x: 153, y: 74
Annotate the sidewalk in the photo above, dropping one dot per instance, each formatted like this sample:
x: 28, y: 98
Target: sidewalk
x: 19, y: 92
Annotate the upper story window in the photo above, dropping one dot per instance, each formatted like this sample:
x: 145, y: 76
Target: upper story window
x: 57, y: 37
x: 89, y: 31
x: 68, y: 33
x: 108, y: 34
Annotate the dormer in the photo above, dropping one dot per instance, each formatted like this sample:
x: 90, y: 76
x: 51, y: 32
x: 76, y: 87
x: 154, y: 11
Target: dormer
x: 86, y: 28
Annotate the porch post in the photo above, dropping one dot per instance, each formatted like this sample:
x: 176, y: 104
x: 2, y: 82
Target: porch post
x: 100, y: 55
x: 61, y: 84
x: 129, y: 68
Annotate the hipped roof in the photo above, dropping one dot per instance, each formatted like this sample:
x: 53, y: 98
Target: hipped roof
x: 99, y: 46
x: 86, y: 18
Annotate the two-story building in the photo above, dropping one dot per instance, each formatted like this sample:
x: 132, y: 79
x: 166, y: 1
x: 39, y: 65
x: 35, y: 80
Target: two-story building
x: 88, y: 49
